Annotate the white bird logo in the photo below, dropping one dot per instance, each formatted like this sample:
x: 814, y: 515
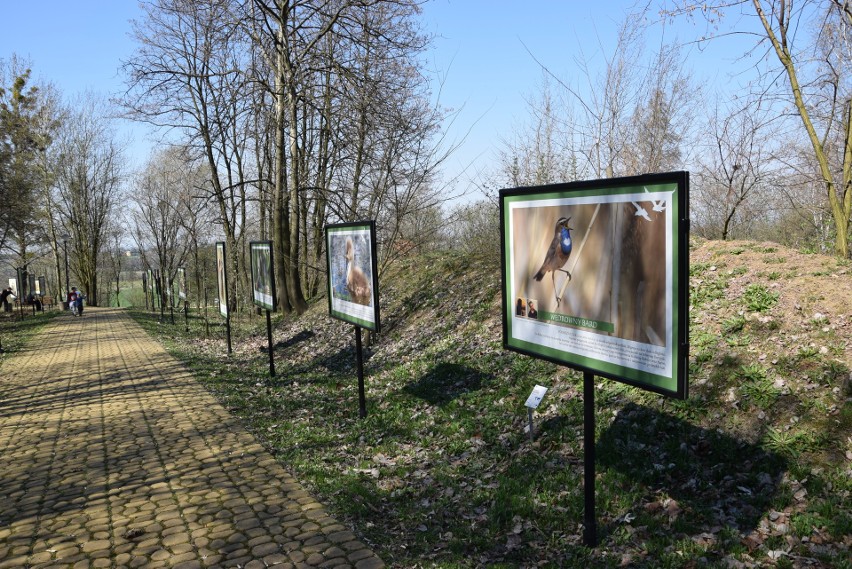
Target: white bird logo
x: 659, y: 206
x: 641, y: 211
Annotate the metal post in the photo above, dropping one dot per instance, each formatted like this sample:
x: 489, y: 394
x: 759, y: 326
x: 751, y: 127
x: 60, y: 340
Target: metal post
x: 228, y: 330
x: 590, y: 532
x: 529, y: 416
x: 362, y: 400
x: 269, y: 340
x: 67, y: 279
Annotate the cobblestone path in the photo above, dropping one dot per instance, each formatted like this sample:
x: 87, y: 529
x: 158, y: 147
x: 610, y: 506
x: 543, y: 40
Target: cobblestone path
x: 111, y: 455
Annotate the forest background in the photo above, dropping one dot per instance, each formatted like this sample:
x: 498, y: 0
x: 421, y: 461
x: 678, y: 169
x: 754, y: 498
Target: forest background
x: 262, y: 119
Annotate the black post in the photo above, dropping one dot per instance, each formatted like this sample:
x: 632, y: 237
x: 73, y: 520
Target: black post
x: 228, y: 330
x: 67, y: 279
x: 362, y: 400
x: 269, y: 339
x: 186, y: 314
x: 590, y: 532
x: 22, y: 291
x: 160, y: 295
x: 171, y: 295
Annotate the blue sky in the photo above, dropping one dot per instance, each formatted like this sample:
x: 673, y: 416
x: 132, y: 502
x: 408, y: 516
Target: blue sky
x: 479, y: 50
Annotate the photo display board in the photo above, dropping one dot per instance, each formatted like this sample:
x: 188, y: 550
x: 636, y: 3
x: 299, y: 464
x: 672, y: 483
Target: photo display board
x: 353, y: 284
x: 221, y: 277
x: 262, y: 277
x: 595, y: 277
x: 181, y: 275
x: 151, y: 288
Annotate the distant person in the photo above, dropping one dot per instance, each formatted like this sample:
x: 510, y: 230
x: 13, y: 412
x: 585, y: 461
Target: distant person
x: 5, y: 297
x: 75, y: 301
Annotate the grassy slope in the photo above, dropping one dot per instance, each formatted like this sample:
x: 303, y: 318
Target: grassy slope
x: 754, y: 469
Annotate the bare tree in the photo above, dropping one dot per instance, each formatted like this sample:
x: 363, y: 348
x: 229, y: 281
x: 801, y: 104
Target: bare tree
x: 541, y: 152
x: 113, y: 262
x: 162, y: 196
x: 737, y: 171
x: 89, y: 177
x: 354, y: 120
x: 633, y: 115
x: 818, y: 81
x: 187, y: 75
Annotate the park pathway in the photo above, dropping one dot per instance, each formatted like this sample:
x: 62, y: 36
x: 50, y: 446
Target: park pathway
x: 112, y: 455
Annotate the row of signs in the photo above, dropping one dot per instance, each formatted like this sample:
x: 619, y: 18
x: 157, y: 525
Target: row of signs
x: 594, y: 277
x: 353, y: 278
x: 35, y: 285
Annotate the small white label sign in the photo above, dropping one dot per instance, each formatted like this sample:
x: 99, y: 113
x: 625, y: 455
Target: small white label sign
x: 536, y: 396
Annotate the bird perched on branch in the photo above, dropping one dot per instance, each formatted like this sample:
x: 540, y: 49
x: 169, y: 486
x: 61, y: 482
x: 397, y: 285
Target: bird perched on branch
x: 356, y: 281
x: 558, y: 253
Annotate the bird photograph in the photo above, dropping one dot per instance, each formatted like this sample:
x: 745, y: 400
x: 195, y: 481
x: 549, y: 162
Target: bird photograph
x: 557, y: 254
x: 357, y: 282
x: 603, y: 262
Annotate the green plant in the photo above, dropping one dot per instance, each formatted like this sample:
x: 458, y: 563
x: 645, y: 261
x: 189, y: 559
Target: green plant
x: 757, y: 387
x: 758, y: 298
x: 733, y: 325
x: 790, y: 442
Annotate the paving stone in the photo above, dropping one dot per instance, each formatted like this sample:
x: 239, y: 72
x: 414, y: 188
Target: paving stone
x: 372, y: 562
x: 92, y: 487
x: 360, y: 554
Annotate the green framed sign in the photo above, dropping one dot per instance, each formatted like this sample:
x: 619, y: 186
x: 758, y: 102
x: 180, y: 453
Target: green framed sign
x: 262, y: 275
x: 595, y: 277
x: 353, y: 284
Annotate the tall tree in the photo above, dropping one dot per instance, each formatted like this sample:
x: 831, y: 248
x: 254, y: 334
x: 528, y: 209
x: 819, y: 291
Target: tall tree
x: 26, y: 130
x: 353, y: 122
x: 187, y: 75
x: 89, y: 177
x: 290, y: 33
x: 162, y: 196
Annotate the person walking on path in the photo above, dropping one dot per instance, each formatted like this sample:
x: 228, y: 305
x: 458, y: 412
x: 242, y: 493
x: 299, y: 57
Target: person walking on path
x: 5, y: 298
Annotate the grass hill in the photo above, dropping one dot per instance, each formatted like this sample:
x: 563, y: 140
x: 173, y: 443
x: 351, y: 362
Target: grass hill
x: 753, y: 470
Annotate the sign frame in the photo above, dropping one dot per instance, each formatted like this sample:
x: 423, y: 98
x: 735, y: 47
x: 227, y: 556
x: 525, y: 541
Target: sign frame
x: 580, y: 341
x: 262, y: 275
x: 222, y: 279
x: 341, y: 303
x: 182, y: 288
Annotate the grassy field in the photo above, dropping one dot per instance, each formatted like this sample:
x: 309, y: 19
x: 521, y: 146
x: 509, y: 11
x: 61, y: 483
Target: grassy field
x: 753, y: 470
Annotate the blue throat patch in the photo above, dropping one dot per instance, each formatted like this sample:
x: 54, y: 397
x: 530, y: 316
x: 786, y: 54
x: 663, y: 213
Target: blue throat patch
x: 566, y: 241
